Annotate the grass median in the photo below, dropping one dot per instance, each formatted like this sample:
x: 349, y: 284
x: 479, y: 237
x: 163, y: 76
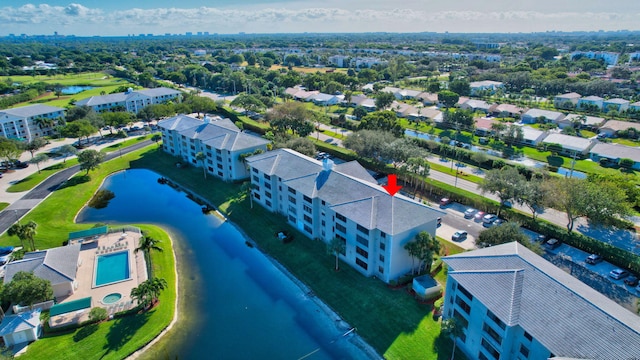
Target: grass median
x: 34, y: 179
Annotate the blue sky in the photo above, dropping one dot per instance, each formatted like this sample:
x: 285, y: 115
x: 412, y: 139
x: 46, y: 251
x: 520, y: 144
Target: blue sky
x: 123, y: 17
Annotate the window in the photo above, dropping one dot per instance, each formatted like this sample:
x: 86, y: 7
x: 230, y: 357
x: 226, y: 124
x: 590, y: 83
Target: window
x: 380, y: 269
x: 383, y: 235
x: 492, y: 333
x: 362, y: 240
x: 292, y: 190
x: 465, y: 292
x: 292, y: 210
x: 323, y: 223
x: 382, y: 246
x: 381, y: 257
x: 268, y: 203
x: 219, y: 158
x: 292, y: 199
x: 267, y: 194
x: 341, y: 228
x: 482, y: 356
x: 308, y: 219
x: 306, y: 198
x: 485, y: 344
x: 528, y: 336
x: 255, y: 187
x: 461, y: 319
x: 220, y: 174
x: 307, y: 228
x: 495, y: 319
x: 363, y: 229
x: 323, y: 203
x: 267, y: 185
x: 463, y: 305
x: 306, y: 208
x: 219, y: 167
x: 524, y: 351
x: 362, y: 252
x: 254, y: 170
x: 255, y: 178
x: 362, y: 264
x: 257, y: 196
x: 292, y: 218
x: 341, y: 218
x: 267, y: 177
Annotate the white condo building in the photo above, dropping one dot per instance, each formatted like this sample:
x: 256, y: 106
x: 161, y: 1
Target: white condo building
x: 513, y: 304
x: 218, y: 139
x: 131, y: 100
x: 326, y: 201
x: 29, y: 122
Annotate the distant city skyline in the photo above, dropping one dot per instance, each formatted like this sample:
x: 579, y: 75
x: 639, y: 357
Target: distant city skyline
x: 121, y: 18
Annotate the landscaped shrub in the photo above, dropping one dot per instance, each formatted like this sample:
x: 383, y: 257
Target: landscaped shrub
x: 97, y: 314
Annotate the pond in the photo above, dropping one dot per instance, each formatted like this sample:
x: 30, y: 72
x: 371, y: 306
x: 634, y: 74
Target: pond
x: 240, y: 304
x: 70, y: 90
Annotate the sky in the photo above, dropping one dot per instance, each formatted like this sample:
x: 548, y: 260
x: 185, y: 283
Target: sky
x: 124, y: 17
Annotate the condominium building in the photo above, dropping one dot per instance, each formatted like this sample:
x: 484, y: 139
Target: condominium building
x: 131, y: 100
x: 513, y: 304
x: 221, y: 142
x: 28, y: 122
x: 326, y: 201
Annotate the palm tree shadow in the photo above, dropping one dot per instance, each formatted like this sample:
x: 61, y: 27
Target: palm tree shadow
x: 85, y: 331
x: 123, y: 330
x: 76, y: 180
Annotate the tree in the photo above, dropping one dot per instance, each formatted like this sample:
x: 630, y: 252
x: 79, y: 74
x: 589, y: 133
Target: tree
x: 479, y: 157
x: 451, y: 327
x: 38, y: 159
x: 383, y: 100
x: 337, y: 247
x: 414, y: 252
x: 27, y: 289
x: 116, y: 119
x: 147, y: 244
x: 448, y: 98
x: 460, y: 87
x: 35, y: 145
x: 77, y: 113
x: 66, y: 151
x: 200, y: 104
x: 513, y: 134
x: 382, y: 120
x: 147, y: 292
x: 534, y: 196
x: 369, y: 143
x: 505, y: 233
x: 26, y: 232
x: 248, y: 102
x: 90, y: 160
x: 507, y: 183
x: 156, y: 138
x: 300, y: 144
x: 9, y: 150
x: 79, y: 129
x: 97, y: 314
x: 359, y: 112
x: 201, y: 157
x: 423, y: 248
x: 291, y: 116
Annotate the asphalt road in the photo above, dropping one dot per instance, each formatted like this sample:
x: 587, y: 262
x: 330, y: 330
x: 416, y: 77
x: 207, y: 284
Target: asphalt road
x: 31, y: 199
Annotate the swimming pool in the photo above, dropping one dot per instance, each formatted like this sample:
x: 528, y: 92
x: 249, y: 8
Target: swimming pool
x: 112, y: 268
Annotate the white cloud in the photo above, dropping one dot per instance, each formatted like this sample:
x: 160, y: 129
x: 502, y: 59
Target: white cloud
x: 332, y: 19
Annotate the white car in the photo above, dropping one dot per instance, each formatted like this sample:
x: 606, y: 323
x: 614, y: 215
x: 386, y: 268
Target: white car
x: 459, y: 235
x: 489, y: 219
x: 468, y: 214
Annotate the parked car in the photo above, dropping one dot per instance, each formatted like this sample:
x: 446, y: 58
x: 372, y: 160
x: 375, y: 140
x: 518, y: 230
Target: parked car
x: 459, y: 235
x: 444, y: 202
x: 631, y: 280
x: 468, y: 214
x: 478, y: 216
x: 552, y: 244
x: 488, y: 219
x: 593, y: 259
x: 542, y: 238
x: 498, y: 222
x: 618, y: 274
x: 21, y: 164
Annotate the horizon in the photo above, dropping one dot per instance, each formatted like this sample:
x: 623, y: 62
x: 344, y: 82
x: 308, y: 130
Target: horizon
x: 117, y: 18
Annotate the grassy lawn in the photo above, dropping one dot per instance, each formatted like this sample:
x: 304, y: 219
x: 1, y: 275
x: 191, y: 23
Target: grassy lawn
x: 89, y: 78
x: 447, y: 170
x: 62, y: 101
x: 3, y: 205
x: 402, y: 328
x: 123, y: 144
x: 113, y: 339
x: 33, y: 180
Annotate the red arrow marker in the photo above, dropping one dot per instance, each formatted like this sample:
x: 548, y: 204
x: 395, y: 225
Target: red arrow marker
x: 392, y: 187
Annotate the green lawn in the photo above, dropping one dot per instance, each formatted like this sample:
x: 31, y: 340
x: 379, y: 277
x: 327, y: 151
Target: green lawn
x: 401, y: 328
x: 123, y: 144
x: 113, y: 339
x: 3, y: 205
x: 89, y: 78
x: 33, y: 180
x: 62, y: 101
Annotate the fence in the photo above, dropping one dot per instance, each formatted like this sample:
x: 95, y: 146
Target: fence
x: 17, y: 309
x: 124, y: 228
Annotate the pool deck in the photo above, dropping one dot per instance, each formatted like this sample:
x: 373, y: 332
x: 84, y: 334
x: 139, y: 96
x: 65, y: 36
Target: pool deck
x: 85, y: 275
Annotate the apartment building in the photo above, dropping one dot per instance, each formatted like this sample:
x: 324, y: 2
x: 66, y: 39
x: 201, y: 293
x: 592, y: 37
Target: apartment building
x: 220, y: 140
x: 326, y: 201
x: 131, y: 100
x: 29, y: 122
x: 513, y: 304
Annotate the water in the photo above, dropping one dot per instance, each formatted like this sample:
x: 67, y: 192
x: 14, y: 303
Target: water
x: 574, y: 174
x: 239, y: 304
x: 70, y: 90
x: 112, y: 268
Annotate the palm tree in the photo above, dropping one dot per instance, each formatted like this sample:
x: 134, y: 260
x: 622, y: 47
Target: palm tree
x: 414, y: 251
x: 44, y: 122
x: 156, y: 285
x: 142, y: 293
x: 201, y: 157
x: 147, y: 243
x: 336, y: 247
x: 16, y: 230
x: 24, y: 232
x: 451, y: 327
x: 156, y: 138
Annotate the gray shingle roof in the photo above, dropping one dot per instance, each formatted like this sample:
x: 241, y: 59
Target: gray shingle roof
x: 536, y: 113
x: 568, y: 141
x: 160, y: 91
x: 179, y: 123
x: 57, y: 265
x: 568, y: 317
x: 361, y: 200
x: 616, y: 151
x: 31, y: 110
x: 103, y: 99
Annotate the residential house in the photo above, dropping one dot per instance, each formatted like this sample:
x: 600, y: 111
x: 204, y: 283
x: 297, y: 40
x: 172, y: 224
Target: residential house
x: 402, y: 94
x: 58, y: 265
x: 506, y: 110
x: 340, y: 61
x: 566, y: 101
x: 590, y: 102
x: 614, y: 152
x: 323, y: 99
x: 431, y: 113
x: 362, y: 100
x: 635, y: 106
x: 428, y: 99
x: 301, y: 94
x: 131, y: 100
x: 28, y: 122
x: 327, y: 201
x: 588, y: 121
x: 220, y: 140
x: 512, y: 304
x: 533, y: 115
x: 612, y: 127
x: 483, y: 126
x: 618, y: 105
x: 21, y: 328
x: 531, y: 136
x: 485, y: 87
x: 476, y: 105
x: 571, y: 145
